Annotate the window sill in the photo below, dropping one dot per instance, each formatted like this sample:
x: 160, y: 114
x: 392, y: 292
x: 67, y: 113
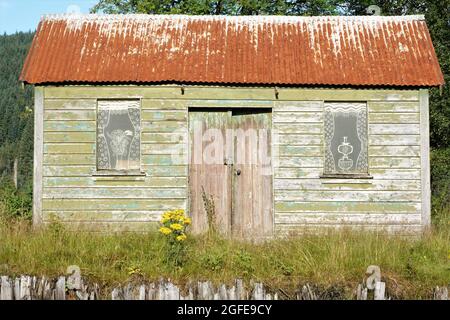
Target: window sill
x: 119, y: 174
x: 346, y: 176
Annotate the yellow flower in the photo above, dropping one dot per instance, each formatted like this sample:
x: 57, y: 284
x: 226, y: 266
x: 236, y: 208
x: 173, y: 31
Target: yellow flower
x: 181, y: 237
x: 176, y: 226
x: 165, y: 230
x: 175, y: 220
x: 165, y: 218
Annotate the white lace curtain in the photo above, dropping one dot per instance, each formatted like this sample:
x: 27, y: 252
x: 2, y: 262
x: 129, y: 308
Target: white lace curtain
x: 340, y: 156
x: 118, y: 135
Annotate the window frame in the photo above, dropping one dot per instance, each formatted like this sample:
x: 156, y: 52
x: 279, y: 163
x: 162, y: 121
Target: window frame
x: 112, y: 172
x: 337, y: 175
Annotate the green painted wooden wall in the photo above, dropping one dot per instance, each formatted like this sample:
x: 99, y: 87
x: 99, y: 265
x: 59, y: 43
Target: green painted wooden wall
x: 302, y: 201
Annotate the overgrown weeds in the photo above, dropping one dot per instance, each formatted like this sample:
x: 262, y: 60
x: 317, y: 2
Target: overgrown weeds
x: 410, y: 267
x: 210, y: 210
x: 14, y: 204
x: 440, y: 186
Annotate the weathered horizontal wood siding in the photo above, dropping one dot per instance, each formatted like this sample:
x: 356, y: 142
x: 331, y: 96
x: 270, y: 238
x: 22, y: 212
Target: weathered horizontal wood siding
x: 390, y: 201
x: 71, y: 190
x: 302, y: 200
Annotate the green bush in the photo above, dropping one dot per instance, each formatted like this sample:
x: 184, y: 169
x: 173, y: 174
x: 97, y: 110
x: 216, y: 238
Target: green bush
x: 244, y: 263
x: 440, y: 185
x: 213, y: 261
x: 15, y: 203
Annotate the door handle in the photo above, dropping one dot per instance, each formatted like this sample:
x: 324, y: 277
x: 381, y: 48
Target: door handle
x: 238, y: 172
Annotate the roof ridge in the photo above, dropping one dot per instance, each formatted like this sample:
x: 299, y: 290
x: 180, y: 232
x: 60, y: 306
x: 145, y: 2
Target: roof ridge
x: 90, y: 16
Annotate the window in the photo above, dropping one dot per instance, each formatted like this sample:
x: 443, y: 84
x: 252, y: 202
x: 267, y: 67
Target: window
x: 345, y: 139
x: 118, y: 135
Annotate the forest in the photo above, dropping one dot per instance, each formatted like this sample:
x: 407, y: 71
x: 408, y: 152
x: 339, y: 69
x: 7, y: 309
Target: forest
x: 16, y: 127
x: 16, y: 100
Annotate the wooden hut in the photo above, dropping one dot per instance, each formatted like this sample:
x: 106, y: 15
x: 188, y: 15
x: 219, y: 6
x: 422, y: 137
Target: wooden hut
x: 271, y: 124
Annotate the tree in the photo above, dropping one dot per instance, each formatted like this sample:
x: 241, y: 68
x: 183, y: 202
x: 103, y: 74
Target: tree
x: 216, y: 7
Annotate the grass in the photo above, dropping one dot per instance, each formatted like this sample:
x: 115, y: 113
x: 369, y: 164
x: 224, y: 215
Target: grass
x: 333, y: 261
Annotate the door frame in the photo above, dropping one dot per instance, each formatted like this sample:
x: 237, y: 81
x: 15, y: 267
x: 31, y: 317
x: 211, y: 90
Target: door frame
x: 230, y: 107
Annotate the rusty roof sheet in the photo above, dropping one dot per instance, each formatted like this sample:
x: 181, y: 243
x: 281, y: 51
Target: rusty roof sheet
x: 278, y: 50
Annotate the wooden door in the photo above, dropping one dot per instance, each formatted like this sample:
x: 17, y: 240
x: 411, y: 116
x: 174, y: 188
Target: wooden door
x: 230, y: 165
x: 209, y: 174
x: 252, y: 175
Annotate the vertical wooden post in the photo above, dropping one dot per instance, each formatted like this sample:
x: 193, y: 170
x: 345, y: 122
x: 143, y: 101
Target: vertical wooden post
x: 6, y: 289
x: 15, y: 169
x: 379, y: 292
x: 425, y: 157
x: 38, y: 154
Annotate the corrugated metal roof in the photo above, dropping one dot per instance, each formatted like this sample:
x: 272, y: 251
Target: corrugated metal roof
x: 362, y: 50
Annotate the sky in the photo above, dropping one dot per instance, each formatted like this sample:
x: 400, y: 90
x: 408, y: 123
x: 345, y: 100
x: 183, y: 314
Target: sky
x: 24, y: 15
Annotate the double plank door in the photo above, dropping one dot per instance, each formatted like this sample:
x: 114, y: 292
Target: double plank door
x: 230, y: 171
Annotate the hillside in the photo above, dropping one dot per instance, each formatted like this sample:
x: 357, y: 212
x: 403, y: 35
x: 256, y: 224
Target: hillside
x: 16, y: 116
